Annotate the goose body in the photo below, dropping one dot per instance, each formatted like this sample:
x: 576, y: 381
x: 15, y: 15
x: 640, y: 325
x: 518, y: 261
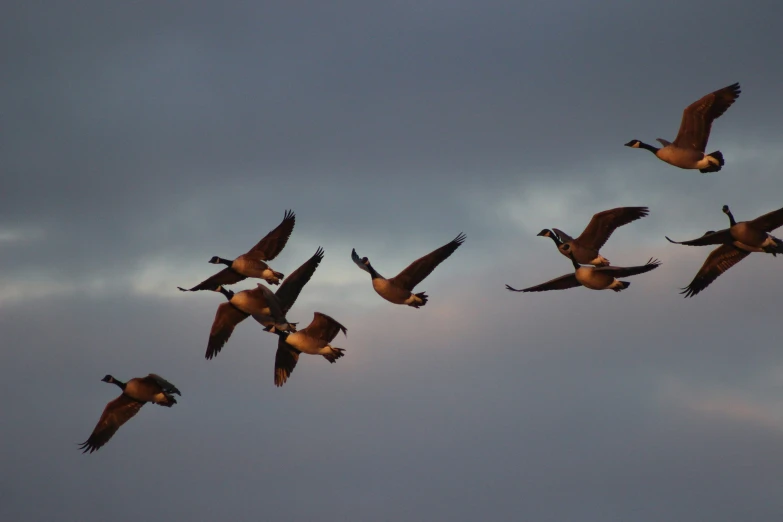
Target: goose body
x: 252, y: 263
x: 315, y: 340
x: 585, y: 248
x: 594, y: 278
x: 399, y: 289
x: 259, y: 302
x: 736, y: 243
x: 687, y: 151
x: 135, y: 394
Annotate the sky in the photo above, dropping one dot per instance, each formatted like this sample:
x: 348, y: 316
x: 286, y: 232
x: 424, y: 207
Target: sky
x: 139, y: 139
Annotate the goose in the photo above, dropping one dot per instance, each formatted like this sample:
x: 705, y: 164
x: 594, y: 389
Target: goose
x: 594, y: 278
x: 251, y: 263
x: 736, y: 242
x: 259, y: 302
x: 315, y: 340
x: 399, y: 289
x: 687, y: 150
x: 585, y: 247
x: 135, y: 394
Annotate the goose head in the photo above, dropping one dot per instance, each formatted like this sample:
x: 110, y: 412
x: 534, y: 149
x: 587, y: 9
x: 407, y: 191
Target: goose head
x: 548, y: 233
x: 361, y: 262
x: 634, y: 144
x: 108, y: 378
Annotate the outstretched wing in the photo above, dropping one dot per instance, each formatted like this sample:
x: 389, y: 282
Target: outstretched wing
x: 226, y: 318
x: 285, y: 361
x: 165, y: 385
x: 559, y: 283
x: 292, y: 285
x: 769, y: 221
x: 604, y: 223
x: 697, y: 118
x: 719, y: 260
x: 115, y: 414
x: 324, y: 327
x: 273, y: 243
x: 620, y: 271
x: 227, y: 276
x: 721, y: 237
x: 422, y: 267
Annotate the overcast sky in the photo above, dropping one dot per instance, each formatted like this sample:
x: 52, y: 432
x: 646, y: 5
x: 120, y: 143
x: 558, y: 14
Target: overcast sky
x: 139, y: 139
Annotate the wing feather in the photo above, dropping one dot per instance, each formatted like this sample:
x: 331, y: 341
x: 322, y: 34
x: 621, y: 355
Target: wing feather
x: 226, y: 318
x: 115, y: 414
x: 604, y: 223
x: 273, y: 243
x: 697, y: 118
x: 559, y: 283
x: 422, y: 267
x: 719, y: 260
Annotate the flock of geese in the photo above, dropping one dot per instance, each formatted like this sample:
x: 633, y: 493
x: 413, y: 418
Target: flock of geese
x: 591, y: 270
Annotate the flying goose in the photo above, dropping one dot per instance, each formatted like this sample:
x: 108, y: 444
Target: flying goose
x: 585, y: 247
x: 736, y: 242
x: 135, y: 393
x: 399, y: 289
x: 251, y: 263
x: 259, y: 302
x: 594, y: 278
x: 315, y: 340
x: 687, y: 150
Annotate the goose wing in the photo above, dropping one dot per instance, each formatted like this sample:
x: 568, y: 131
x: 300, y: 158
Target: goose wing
x: 697, y: 118
x: 721, y: 237
x: 604, y: 223
x: 620, y: 271
x: 226, y: 318
x: 285, y: 361
x: 559, y: 283
x: 292, y: 285
x: 324, y: 327
x: 165, y: 385
x: 422, y: 267
x: 115, y: 414
x: 769, y: 221
x: 227, y: 276
x: 719, y: 260
x: 273, y: 243
x: 275, y: 310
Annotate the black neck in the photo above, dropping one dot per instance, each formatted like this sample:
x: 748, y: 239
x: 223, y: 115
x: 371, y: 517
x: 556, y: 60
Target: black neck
x: 647, y: 146
x: 555, y: 238
x: 228, y: 293
x: 227, y: 262
x: 573, y: 261
x: 373, y: 273
x: 118, y: 383
x: 731, y: 217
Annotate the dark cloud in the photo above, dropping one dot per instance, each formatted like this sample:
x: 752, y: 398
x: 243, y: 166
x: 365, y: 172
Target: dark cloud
x: 140, y: 140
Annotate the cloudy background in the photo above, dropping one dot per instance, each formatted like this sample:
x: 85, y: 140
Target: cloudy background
x: 140, y: 139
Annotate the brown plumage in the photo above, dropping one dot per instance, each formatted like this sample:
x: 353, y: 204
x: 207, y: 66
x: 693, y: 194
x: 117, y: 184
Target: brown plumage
x: 687, y: 151
x: 135, y: 394
x: 315, y: 340
x: 737, y: 241
x: 251, y: 263
x: 697, y: 117
x: 719, y: 260
x: 259, y: 302
x: 399, y: 289
x: 594, y: 278
x: 586, y: 247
